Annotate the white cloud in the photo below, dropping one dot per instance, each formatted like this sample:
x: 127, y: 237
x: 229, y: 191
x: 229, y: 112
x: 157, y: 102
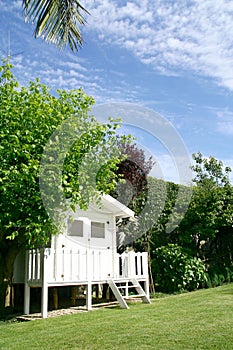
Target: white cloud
x: 10, y: 6
x: 225, y: 122
x: 75, y: 65
x: 171, y: 35
x: 226, y: 127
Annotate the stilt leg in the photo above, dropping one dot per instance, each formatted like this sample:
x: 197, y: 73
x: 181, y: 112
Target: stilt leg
x: 26, y: 299
x: 44, y: 301
x: 55, y: 298
x: 89, y: 296
x: 73, y: 297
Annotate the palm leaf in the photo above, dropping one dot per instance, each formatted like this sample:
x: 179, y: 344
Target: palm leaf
x: 57, y: 21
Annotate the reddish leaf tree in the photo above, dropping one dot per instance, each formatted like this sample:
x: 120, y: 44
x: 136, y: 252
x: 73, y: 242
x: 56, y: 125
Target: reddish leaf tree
x: 134, y: 170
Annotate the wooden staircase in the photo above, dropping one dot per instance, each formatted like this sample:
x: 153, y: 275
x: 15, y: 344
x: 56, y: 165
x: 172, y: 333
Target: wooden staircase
x: 122, y: 291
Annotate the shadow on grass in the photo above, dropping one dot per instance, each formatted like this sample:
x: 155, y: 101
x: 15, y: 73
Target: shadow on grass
x: 230, y: 292
x: 9, y: 315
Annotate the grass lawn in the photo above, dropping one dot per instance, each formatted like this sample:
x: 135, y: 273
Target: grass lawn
x: 197, y: 320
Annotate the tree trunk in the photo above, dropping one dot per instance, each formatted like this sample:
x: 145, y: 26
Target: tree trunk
x: 151, y: 280
x: 7, y: 259
x: 2, y: 286
x: 8, y: 295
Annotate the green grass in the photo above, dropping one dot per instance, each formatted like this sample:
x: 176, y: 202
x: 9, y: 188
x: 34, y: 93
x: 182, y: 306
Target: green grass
x: 197, y: 320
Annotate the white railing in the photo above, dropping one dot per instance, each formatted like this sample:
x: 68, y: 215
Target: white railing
x: 64, y: 266
x: 132, y: 265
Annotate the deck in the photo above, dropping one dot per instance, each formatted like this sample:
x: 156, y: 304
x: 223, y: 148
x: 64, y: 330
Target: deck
x: 50, y: 268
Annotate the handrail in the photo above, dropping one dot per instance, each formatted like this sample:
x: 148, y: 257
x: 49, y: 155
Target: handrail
x: 66, y: 265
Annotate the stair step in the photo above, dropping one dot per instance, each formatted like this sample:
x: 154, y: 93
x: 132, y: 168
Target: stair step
x: 124, y: 287
x: 117, y: 294
x: 125, y: 284
x: 116, y: 287
x: 135, y: 296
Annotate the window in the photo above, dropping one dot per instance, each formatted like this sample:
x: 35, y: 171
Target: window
x: 75, y: 228
x: 97, y: 229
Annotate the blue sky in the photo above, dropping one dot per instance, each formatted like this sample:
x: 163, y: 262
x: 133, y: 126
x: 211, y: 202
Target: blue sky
x: 174, y: 58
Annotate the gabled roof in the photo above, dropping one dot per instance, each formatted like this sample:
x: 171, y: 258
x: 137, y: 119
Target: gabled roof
x: 112, y: 206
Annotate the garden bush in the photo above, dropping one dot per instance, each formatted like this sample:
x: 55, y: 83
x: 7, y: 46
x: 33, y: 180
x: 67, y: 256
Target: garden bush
x: 174, y: 270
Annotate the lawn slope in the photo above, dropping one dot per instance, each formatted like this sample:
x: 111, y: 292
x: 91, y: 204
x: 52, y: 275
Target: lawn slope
x: 197, y: 320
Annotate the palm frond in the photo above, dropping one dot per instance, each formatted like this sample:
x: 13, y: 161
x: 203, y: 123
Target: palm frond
x: 57, y: 21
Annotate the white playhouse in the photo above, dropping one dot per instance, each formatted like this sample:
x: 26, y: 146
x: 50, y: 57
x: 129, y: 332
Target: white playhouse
x: 86, y: 254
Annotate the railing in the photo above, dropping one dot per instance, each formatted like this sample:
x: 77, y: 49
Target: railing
x: 133, y: 264
x: 64, y: 266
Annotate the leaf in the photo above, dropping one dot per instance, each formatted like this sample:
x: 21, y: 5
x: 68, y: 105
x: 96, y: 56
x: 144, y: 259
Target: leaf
x: 57, y: 21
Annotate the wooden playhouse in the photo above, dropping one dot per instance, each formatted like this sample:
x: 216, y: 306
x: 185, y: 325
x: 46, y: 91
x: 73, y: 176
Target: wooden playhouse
x: 85, y: 254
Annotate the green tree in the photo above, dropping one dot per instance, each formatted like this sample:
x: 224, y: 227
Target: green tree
x: 210, y: 170
x: 210, y: 211
x: 170, y: 202
x: 49, y: 143
x: 57, y: 21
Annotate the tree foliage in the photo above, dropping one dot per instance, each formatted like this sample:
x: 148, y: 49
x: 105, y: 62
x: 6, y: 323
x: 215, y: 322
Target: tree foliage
x: 211, y: 206
x: 210, y: 170
x: 32, y: 121
x: 201, y: 227
x: 206, y: 230
x: 133, y: 169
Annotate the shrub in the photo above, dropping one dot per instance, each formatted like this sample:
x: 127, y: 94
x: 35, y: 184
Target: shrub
x: 174, y: 270
x: 218, y: 275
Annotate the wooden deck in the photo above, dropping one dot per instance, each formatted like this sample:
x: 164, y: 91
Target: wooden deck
x: 52, y: 268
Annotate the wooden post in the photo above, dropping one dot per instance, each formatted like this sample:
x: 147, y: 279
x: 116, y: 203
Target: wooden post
x: 89, y: 285
x: 89, y: 296
x: 26, y: 286
x: 44, y: 301
x: 146, y: 267
x: 97, y: 292
x: 55, y: 298
x: 146, y: 288
x: 26, y: 299
x: 73, y: 295
x: 44, y: 291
